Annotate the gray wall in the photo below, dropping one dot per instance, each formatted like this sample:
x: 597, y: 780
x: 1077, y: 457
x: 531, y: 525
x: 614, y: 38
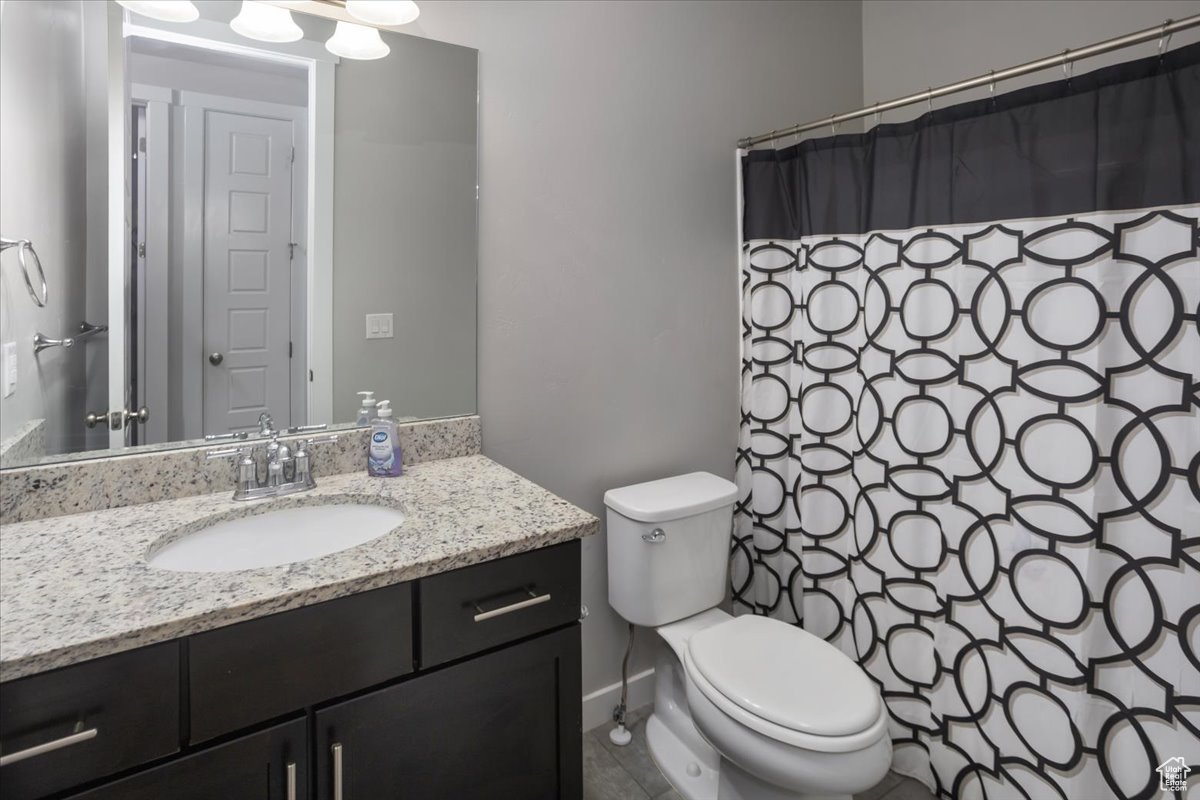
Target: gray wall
x: 43, y: 199
x: 608, y: 303
x: 911, y: 44
x: 404, y: 228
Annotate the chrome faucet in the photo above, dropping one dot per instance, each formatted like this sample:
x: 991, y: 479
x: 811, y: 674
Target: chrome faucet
x: 287, y: 472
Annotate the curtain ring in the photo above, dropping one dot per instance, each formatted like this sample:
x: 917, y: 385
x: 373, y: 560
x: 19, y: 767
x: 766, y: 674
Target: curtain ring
x: 833, y: 124
x: 1164, y: 39
x: 1068, y: 65
x: 877, y: 113
x: 992, y: 84
x: 929, y: 98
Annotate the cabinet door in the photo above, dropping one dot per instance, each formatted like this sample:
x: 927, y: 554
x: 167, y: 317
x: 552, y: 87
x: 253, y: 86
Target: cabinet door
x: 505, y: 724
x: 269, y: 765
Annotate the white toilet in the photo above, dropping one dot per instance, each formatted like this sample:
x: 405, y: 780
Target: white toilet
x: 745, y: 708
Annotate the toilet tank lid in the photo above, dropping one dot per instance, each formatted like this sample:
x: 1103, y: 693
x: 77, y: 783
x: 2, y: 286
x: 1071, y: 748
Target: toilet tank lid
x: 671, y: 498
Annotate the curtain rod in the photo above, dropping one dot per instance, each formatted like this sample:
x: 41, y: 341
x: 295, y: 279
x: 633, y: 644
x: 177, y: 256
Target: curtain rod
x: 1065, y: 58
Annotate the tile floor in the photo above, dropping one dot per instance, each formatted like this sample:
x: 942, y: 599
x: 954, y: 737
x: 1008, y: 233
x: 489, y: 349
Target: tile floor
x: 629, y: 773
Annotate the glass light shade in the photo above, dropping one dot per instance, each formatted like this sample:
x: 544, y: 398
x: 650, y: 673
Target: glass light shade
x: 165, y: 10
x: 383, y: 12
x: 266, y: 23
x: 356, y: 41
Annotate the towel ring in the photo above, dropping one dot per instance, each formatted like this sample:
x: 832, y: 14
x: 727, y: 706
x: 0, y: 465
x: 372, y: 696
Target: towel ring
x: 25, y: 246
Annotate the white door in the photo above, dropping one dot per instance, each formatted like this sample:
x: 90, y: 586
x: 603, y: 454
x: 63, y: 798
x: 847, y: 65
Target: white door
x: 247, y: 273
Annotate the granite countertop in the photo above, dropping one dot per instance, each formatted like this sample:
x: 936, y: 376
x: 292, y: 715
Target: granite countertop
x: 78, y: 587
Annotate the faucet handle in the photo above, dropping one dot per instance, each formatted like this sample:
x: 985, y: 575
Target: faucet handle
x: 266, y: 425
x: 247, y: 473
x: 304, y: 474
x: 306, y: 428
x: 215, y: 437
x: 330, y: 439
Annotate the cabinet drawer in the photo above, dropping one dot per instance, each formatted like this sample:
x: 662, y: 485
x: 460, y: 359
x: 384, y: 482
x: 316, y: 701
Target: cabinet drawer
x: 268, y: 765
x: 82, y: 722
x: 486, y: 605
x: 265, y: 668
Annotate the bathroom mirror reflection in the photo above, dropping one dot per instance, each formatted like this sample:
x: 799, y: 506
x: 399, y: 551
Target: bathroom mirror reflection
x: 226, y: 228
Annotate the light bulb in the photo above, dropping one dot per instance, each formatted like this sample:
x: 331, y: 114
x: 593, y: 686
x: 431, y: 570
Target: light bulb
x: 356, y: 41
x: 266, y: 23
x: 165, y: 10
x: 383, y: 12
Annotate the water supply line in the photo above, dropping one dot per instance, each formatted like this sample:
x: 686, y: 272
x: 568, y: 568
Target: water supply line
x: 620, y: 735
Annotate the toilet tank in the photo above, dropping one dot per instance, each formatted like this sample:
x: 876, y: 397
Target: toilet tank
x: 668, y: 547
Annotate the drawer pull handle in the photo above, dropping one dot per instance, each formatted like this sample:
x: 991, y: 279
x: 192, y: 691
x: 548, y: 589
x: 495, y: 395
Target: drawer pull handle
x: 336, y: 749
x: 291, y: 780
x: 48, y: 747
x: 534, y: 600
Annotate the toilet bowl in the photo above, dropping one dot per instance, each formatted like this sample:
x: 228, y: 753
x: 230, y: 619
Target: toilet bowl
x: 746, y: 708
x: 788, y: 715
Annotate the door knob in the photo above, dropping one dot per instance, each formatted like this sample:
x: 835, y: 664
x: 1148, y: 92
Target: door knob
x: 215, y: 359
x: 115, y: 420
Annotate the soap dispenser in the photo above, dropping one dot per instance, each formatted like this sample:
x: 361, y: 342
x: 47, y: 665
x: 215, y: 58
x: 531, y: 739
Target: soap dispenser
x: 367, y: 412
x: 384, y: 459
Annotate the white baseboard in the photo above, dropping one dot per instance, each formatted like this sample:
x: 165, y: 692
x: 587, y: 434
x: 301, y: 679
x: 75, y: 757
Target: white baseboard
x: 598, y: 705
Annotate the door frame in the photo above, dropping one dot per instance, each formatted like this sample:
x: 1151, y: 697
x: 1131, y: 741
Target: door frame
x: 153, y: 347
x: 119, y: 227
x: 318, y: 125
x: 196, y: 106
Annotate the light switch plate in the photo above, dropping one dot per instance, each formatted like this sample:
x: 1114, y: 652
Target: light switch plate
x: 9, y: 368
x: 379, y: 326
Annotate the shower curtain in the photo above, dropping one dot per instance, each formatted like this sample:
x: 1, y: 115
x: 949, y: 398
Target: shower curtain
x: 969, y: 452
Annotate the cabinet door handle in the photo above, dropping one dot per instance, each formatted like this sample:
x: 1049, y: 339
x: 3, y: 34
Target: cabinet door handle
x: 534, y: 600
x: 48, y: 747
x: 336, y: 749
x: 291, y: 780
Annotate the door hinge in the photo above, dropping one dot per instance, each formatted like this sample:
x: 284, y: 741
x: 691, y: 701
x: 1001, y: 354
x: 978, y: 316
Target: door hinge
x: 141, y: 249
x: 141, y: 144
x: 310, y: 378
x: 292, y: 157
x: 289, y: 349
x: 292, y: 250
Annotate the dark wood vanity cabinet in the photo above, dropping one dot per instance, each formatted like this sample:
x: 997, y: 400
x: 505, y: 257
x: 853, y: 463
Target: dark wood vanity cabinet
x: 267, y: 667
x: 503, y: 725
x: 270, y: 764
x: 465, y: 684
x: 62, y: 728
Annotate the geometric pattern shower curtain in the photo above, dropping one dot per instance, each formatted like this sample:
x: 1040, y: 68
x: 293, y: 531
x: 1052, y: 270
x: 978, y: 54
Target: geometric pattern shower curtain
x: 970, y: 441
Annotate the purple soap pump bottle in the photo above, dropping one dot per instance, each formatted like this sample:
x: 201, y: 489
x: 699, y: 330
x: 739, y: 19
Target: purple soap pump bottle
x: 384, y: 459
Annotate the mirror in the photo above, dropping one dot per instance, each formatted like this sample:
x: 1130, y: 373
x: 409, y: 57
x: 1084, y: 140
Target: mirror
x: 226, y: 228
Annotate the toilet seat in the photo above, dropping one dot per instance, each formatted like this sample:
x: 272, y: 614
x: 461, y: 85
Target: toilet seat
x: 785, y: 684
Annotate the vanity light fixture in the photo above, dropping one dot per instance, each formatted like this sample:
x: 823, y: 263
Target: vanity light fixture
x: 383, y: 12
x: 357, y: 41
x: 165, y: 10
x: 266, y: 23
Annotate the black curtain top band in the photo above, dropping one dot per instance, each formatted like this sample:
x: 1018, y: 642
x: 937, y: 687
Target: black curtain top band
x: 1121, y: 137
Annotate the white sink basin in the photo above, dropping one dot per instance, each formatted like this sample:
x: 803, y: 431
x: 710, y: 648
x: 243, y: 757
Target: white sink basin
x: 276, y: 537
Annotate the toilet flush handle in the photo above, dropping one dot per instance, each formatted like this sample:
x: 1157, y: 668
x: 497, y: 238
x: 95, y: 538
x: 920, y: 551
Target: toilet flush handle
x: 656, y: 536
